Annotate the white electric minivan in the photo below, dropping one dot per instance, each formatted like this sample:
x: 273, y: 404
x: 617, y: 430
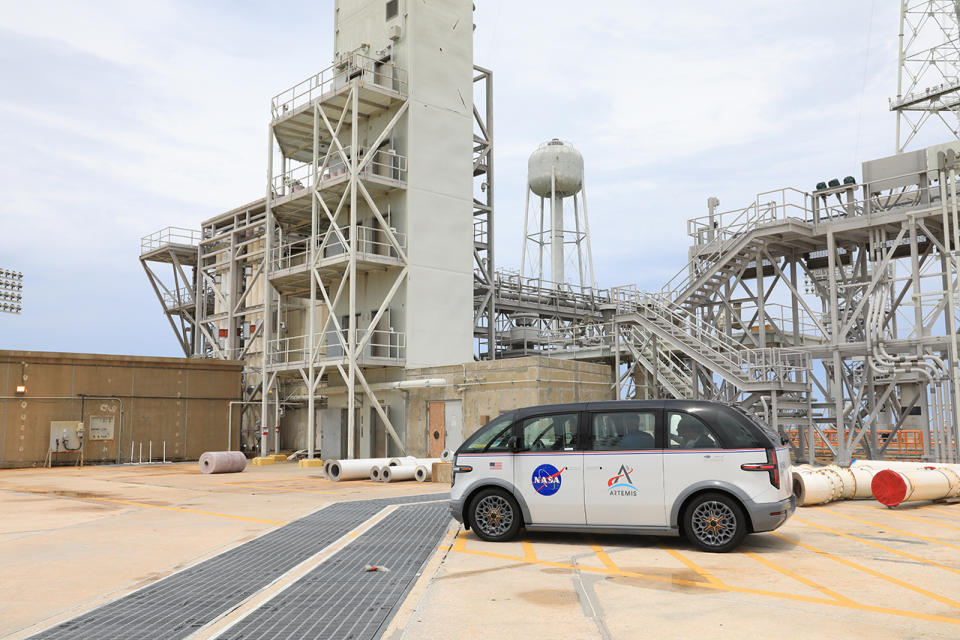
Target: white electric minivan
x: 702, y: 469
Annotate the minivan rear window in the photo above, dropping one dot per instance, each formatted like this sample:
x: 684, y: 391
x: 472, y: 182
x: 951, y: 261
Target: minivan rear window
x: 493, y: 436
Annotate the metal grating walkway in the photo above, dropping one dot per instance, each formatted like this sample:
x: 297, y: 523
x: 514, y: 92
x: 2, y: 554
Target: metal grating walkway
x: 338, y: 599
x: 181, y: 603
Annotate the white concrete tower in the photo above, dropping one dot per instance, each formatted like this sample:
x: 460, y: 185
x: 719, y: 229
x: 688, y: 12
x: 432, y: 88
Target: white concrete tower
x: 555, y: 174
x: 369, y: 218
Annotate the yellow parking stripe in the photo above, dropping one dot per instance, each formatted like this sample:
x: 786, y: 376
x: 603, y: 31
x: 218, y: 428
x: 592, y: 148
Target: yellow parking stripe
x: 604, y: 558
x: 706, y: 575
x: 144, y: 505
x: 790, y: 574
x: 889, y: 528
x: 528, y: 553
x: 460, y: 547
x: 876, y: 574
x: 904, y: 554
x: 283, y: 489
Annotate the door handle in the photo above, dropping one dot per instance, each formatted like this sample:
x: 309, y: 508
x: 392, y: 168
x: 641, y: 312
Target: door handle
x: 713, y: 458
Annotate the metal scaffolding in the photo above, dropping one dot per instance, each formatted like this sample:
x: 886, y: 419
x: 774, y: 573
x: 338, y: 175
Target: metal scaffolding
x: 928, y: 75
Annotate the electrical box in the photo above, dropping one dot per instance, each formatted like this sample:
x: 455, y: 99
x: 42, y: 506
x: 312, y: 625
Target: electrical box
x: 65, y: 435
x: 101, y: 427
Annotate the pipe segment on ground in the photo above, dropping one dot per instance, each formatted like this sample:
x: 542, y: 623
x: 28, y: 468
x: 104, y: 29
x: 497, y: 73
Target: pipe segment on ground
x: 375, y: 472
x: 892, y: 487
x: 222, y: 462
x: 404, y: 460
x: 358, y: 469
x: 423, y: 473
x: 402, y: 472
x: 820, y: 485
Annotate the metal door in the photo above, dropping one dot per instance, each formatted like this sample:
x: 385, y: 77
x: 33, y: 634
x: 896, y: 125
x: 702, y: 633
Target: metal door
x: 548, y: 469
x: 623, y: 475
x: 436, y: 428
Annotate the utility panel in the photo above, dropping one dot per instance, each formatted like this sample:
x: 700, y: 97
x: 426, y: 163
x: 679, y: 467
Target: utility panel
x: 65, y: 435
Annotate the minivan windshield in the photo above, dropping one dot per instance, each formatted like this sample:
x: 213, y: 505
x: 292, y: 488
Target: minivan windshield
x: 491, y: 436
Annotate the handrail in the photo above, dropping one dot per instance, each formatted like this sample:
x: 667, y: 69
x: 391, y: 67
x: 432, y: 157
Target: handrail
x: 388, y: 344
x: 371, y: 241
x: 371, y: 72
x: 168, y: 236
x: 386, y: 164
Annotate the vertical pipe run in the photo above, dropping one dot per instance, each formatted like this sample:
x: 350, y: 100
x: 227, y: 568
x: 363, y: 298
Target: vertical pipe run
x: 556, y: 231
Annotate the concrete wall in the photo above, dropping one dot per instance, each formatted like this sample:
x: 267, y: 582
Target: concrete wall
x: 484, y: 390
x: 182, y: 402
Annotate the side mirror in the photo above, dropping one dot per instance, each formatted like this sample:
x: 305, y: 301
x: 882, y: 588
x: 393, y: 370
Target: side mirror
x: 513, y: 442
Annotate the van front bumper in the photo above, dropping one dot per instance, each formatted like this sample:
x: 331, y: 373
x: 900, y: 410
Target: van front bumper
x: 770, y: 515
x: 456, y: 510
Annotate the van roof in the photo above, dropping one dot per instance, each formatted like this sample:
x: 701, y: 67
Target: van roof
x: 613, y: 405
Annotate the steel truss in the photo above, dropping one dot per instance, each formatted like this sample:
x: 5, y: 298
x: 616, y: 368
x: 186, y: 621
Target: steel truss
x: 318, y: 270
x: 484, y: 304
x: 928, y: 75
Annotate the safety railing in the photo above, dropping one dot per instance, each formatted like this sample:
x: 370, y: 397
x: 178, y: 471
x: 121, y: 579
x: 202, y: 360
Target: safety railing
x: 511, y: 286
x: 169, y: 236
x: 383, y: 344
x: 905, y: 443
x: 370, y: 72
x: 385, y: 164
x: 372, y: 242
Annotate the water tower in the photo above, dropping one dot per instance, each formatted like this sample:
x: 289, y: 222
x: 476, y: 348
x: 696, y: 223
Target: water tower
x: 555, y: 174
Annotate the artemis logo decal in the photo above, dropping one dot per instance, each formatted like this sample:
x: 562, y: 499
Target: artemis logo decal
x: 621, y: 484
x: 546, y: 479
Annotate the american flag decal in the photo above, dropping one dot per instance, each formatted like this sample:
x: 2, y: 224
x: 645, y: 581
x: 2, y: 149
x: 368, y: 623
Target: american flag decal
x: 496, y: 466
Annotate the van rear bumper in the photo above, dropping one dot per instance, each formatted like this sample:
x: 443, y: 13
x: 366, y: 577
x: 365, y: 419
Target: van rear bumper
x: 768, y: 516
x: 456, y: 510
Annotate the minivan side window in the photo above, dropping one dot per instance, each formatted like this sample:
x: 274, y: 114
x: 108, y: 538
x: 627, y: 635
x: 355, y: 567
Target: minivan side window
x: 549, y: 433
x: 494, y: 436
x: 623, y: 431
x: 685, y: 431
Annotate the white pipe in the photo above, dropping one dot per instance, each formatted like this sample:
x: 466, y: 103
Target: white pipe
x: 893, y: 487
x: 375, y: 473
x: 405, y: 460
x: 422, y: 473
x: 358, y: 469
x: 395, y: 474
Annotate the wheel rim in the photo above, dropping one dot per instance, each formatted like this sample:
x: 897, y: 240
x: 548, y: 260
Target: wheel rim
x: 714, y: 523
x: 493, y: 515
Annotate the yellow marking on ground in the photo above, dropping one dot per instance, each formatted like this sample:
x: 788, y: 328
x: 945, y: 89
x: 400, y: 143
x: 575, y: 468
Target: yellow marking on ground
x: 923, y: 520
x: 876, y: 574
x: 799, y: 578
x: 899, y: 531
x: 528, y: 553
x: 131, y: 503
x: 709, y: 577
x: 604, y: 558
x: 943, y: 511
x: 904, y: 554
x: 460, y: 547
x: 285, y: 489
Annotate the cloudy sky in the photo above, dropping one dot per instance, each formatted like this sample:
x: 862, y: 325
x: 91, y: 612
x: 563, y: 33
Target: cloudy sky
x: 117, y: 120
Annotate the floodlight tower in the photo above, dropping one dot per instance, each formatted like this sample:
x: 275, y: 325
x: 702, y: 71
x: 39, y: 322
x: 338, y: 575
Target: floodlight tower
x: 11, y: 291
x: 555, y: 173
x: 928, y: 77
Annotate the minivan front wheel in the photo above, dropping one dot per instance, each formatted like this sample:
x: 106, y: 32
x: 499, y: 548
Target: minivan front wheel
x: 715, y: 522
x: 495, y: 515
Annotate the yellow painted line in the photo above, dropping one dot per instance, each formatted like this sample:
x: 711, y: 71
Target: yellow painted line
x: 284, y: 489
x: 528, y: 553
x: 709, y: 577
x: 876, y: 574
x: 460, y: 547
x: 943, y: 511
x: 923, y: 520
x: 903, y: 554
x: 899, y: 531
x: 604, y: 558
x: 141, y: 504
x: 799, y: 578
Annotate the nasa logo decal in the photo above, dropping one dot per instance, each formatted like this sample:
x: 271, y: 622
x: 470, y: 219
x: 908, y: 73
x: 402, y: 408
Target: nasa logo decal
x: 546, y: 479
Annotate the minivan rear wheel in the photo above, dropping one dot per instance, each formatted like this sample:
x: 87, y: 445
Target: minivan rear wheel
x: 715, y: 522
x: 495, y: 515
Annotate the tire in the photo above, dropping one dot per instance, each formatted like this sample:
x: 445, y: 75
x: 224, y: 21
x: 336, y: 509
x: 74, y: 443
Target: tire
x: 715, y: 522
x: 494, y: 515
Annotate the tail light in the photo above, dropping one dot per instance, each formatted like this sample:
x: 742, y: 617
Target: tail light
x: 771, y: 466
